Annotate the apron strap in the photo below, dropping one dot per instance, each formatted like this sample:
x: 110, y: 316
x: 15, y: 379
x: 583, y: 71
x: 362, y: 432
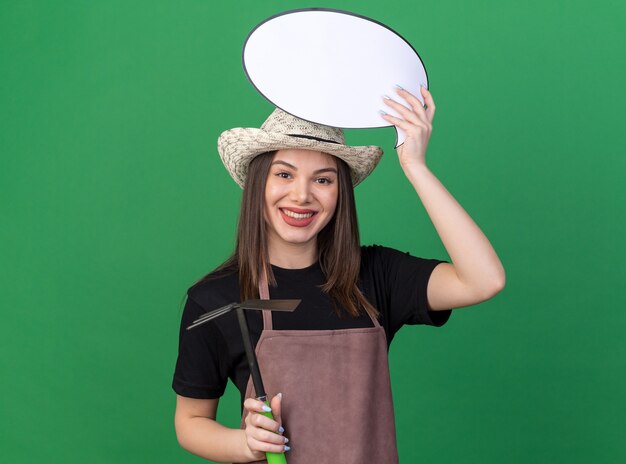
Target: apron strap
x: 374, y: 320
x: 264, y: 294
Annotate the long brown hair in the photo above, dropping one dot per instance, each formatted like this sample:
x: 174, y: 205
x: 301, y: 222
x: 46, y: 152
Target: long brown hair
x: 338, y: 245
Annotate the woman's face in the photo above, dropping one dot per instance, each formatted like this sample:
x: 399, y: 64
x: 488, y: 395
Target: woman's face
x: 300, y: 196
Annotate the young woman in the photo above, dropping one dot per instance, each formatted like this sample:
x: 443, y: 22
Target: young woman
x: 326, y: 363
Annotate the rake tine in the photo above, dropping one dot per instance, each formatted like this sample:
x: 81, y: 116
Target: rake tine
x: 212, y: 315
x: 215, y: 311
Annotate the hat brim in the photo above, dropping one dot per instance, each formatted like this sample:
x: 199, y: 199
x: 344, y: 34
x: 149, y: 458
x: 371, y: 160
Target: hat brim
x: 238, y: 146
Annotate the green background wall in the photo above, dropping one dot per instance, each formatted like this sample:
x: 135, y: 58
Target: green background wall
x: 113, y: 201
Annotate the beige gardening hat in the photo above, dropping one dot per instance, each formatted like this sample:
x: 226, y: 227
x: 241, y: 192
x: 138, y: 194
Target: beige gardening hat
x: 281, y: 130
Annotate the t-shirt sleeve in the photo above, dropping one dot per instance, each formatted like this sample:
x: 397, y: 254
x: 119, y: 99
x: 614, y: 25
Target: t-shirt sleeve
x: 405, y: 279
x: 201, y: 368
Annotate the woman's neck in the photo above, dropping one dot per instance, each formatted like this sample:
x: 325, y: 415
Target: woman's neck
x: 292, y: 256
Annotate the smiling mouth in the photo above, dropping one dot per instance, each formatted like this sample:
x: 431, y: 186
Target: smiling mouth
x: 301, y: 218
x: 295, y: 215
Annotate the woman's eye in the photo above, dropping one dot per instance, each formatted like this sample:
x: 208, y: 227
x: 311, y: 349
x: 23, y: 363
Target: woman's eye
x: 324, y: 180
x: 282, y: 174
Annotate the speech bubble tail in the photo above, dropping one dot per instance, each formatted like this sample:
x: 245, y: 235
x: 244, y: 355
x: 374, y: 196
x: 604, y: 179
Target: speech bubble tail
x: 400, y: 136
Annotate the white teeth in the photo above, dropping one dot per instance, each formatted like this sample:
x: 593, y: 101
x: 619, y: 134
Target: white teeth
x: 297, y: 215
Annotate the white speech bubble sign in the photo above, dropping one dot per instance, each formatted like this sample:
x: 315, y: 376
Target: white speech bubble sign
x: 332, y: 67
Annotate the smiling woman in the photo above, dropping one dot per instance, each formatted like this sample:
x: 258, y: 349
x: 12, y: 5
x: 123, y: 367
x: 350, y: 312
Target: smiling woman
x: 325, y: 363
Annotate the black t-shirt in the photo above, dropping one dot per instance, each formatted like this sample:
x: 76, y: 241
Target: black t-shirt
x: 208, y: 355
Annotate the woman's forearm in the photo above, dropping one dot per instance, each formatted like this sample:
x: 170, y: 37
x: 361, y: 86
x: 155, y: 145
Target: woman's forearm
x: 209, y: 439
x: 475, y: 261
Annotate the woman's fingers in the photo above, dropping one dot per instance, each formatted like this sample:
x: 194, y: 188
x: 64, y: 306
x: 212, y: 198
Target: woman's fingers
x: 266, y: 436
x: 406, y: 126
x: 430, y: 103
x: 411, y: 120
x: 424, y: 114
x: 411, y: 99
x: 261, y: 439
x: 257, y: 445
x: 260, y: 421
x: 264, y: 433
x: 402, y: 110
x: 276, y: 404
x: 252, y: 404
x: 401, y: 123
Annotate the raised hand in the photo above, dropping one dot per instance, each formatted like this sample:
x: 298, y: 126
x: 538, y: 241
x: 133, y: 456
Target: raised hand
x: 416, y: 121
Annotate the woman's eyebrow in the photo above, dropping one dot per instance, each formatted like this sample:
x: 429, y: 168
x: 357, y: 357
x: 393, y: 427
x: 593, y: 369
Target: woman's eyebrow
x: 328, y: 169
x: 285, y: 163
x: 319, y: 171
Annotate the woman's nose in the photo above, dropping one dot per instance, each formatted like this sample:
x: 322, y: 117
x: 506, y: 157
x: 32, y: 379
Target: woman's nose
x: 301, y: 191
